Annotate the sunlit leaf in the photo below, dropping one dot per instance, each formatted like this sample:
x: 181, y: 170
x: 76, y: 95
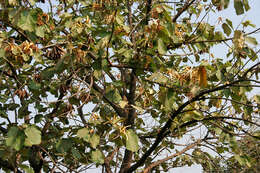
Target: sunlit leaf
x: 84, y: 134
x: 123, y: 103
x: 251, y: 40
x: 132, y: 141
x: 161, y: 47
x: 27, y: 21
x: 97, y: 156
x: 33, y: 135
x: 94, y: 140
x: 27, y: 169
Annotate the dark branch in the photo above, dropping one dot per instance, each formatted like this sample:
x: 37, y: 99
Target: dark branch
x: 118, y: 110
x: 184, y: 8
x: 6, y: 165
x: 148, y: 10
x: 164, y: 131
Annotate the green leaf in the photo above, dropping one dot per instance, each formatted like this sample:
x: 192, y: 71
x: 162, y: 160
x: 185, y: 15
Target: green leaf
x: 97, y: 157
x: 26, y: 168
x: 158, y: 77
x: 2, y: 53
x: 238, y: 5
x: 84, y: 134
x: 15, y: 138
x: 120, y: 19
x: 161, y: 47
x: 94, y: 140
x: 40, y: 31
x: 27, y: 21
x: 113, y: 95
x: 132, y: 140
x: 239, y: 159
x: 197, y: 115
x: 34, y: 86
x: 246, y: 5
x: 48, y: 73
x: 76, y: 154
x: 64, y: 145
x: 226, y: 28
x: 251, y: 40
x: 33, y: 135
x: 229, y: 22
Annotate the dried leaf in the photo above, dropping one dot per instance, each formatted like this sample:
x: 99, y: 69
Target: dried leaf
x: 202, y: 75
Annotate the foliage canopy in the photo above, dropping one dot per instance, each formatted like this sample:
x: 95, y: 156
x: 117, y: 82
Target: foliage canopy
x: 121, y: 84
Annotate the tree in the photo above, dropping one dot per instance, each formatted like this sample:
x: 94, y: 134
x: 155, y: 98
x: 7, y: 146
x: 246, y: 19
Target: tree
x: 249, y: 146
x: 119, y: 85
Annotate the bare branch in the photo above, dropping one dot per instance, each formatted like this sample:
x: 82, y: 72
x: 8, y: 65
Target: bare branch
x: 164, y: 131
x: 108, y: 159
x: 154, y: 164
x: 187, y: 4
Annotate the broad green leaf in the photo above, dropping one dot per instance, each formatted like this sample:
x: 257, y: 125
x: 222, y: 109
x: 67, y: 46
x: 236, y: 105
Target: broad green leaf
x: 40, y: 31
x: 132, y: 141
x: 239, y: 7
x: 226, y: 29
x: 34, y: 86
x: 197, y: 115
x: 229, y: 22
x: 26, y: 168
x: 161, y: 47
x: 97, y: 156
x: 33, y: 135
x: 84, y: 134
x: 2, y: 53
x: 113, y: 95
x: 15, y: 138
x: 120, y: 19
x: 239, y: 159
x: 187, y: 117
x: 27, y: 22
x: 158, y: 77
x: 76, y: 154
x: 48, y: 73
x: 94, y: 140
x: 64, y: 145
x: 251, y: 40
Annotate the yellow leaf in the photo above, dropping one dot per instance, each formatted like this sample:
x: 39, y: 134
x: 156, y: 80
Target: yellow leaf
x: 202, y: 74
x: 123, y: 103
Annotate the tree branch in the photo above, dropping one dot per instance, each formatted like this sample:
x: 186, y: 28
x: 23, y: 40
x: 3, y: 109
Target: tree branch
x: 148, y: 10
x: 184, y: 8
x: 6, y: 165
x: 118, y: 110
x: 108, y: 159
x: 164, y: 131
x: 154, y: 164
